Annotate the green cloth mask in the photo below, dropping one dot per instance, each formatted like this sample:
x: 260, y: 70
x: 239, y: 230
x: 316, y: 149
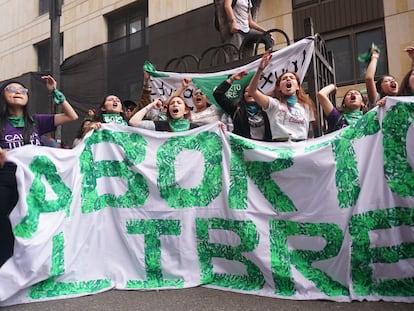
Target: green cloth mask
x: 16, y: 121
x: 351, y: 117
x: 179, y: 125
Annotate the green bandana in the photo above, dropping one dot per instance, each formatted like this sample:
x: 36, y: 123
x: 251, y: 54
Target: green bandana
x: 252, y: 109
x: 366, y: 57
x: 291, y: 100
x: 179, y: 125
x: 58, y: 96
x: 16, y: 121
x: 113, y: 118
x: 351, y: 117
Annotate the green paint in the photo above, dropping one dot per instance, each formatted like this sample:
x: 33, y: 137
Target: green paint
x: 50, y: 288
x: 398, y: 171
x: 36, y: 199
x: 364, y: 255
x: 282, y: 258
x: 249, y: 240
x: 137, y: 193
x: 207, y: 143
x: 347, y: 175
x: 152, y: 229
x: 260, y: 173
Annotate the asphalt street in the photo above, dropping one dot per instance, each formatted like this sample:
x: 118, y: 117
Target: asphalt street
x: 196, y: 299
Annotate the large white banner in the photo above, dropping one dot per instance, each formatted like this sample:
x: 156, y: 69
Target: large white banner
x: 293, y: 58
x: 329, y: 218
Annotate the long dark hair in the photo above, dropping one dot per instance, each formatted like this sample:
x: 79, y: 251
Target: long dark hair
x: 4, y: 113
x: 405, y: 89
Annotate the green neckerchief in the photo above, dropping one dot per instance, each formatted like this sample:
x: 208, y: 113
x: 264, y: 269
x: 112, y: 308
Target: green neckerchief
x: 252, y: 109
x: 179, y: 125
x: 351, y: 117
x: 291, y: 100
x: 16, y: 121
x: 113, y: 118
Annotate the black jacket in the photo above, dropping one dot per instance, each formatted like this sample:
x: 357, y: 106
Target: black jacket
x: 238, y: 112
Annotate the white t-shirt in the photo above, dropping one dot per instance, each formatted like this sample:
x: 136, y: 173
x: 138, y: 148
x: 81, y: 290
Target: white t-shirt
x: 241, y: 14
x: 291, y: 123
x: 209, y: 115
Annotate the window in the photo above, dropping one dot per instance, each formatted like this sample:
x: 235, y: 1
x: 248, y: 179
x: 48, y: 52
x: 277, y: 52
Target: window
x: 300, y: 3
x: 126, y: 29
x: 348, y: 47
x: 43, y: 6
x: 43, y: 55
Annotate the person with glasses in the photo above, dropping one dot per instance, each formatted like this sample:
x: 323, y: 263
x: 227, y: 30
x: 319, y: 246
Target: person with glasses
x: 19, y: 128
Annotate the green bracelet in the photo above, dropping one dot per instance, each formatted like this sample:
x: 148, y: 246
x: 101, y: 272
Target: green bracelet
x: 58, y: 96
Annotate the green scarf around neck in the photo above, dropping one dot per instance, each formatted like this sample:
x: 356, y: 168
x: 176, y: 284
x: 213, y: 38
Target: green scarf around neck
x: 179, y: 125
x: 16, y: 121
x: 351, y: 117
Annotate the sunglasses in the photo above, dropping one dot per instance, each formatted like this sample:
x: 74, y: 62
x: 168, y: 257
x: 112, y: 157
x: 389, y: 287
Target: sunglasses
x: 14, y: 89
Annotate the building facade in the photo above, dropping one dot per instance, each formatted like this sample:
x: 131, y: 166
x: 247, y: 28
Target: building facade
x: 104, y: 43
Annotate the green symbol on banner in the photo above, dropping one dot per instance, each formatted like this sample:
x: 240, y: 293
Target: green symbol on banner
x: 365, y: 256
x: 347, y: 175
x: 260, y: 173
x: 50, y: 288
x: 134, y: 147
x: 153, y: 229
x: 36, y: 199
x: 207, y: 143
x: 398, y: 171
x: 282, y: 258
x: 253, y: 278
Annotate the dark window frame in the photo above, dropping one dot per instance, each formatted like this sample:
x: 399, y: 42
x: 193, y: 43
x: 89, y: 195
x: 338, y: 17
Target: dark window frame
x: 352, y: 33
x: 44, y: 63
x: 125, y: 18
x: 44, y: 6
x: 304, y: 3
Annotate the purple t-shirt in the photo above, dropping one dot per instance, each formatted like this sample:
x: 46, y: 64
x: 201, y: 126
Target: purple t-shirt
x: 12, y: 137
x: 335, y: 120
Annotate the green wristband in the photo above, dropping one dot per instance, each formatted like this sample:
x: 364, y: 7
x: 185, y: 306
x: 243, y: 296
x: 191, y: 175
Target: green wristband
x: 58, y: 96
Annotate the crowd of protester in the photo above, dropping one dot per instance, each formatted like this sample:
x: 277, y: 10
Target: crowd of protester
x: 286, y: 114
